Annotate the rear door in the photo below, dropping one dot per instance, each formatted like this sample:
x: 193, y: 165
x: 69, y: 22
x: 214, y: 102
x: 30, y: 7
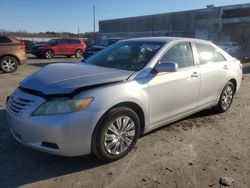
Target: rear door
x: 73, y: 45
x: 61, y: 47
x: 214, y: 71
x: 174, y: 94
x: 70, y: 46
x: 6, y: 45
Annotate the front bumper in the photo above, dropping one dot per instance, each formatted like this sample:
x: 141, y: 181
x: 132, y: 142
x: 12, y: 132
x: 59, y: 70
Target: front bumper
x: 88, y: 54
x: 37, y: 53
x: 64, y: 134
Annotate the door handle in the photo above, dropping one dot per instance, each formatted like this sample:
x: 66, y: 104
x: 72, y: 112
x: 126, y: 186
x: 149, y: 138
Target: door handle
x: 194, y: 75
x: 225, y: 67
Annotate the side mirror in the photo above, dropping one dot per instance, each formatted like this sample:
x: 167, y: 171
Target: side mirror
x: 166, y: 66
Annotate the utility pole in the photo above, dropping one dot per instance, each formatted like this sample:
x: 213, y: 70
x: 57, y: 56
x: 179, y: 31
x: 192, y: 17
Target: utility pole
x: 78, y: 32
x: 94, y: 22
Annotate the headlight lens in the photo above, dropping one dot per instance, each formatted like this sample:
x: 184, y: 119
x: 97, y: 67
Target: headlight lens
x: 61, y: 106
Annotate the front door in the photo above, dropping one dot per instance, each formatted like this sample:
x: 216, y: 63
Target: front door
x: 174, y: 94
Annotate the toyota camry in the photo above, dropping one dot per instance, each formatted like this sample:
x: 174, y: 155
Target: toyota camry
x: 103, y: 104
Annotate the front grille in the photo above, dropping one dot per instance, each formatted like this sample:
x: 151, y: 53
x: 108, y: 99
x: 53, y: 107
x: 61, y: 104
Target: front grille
x: 18, y: 105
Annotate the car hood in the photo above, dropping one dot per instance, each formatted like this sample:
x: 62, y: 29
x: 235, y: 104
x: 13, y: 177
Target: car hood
x: 65, y: 78
x: 38, y: 45
x: 96, y: 47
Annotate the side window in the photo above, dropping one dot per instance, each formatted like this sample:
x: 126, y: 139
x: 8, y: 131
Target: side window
x: 70, y: 41
x: 181, y: 54
x: 62, y: 41
x: 76, y: 41
x: 206, y: 53
x: 73, y: 41
x: 4, y: 40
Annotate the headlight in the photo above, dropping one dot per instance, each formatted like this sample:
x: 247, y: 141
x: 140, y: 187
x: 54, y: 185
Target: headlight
x: 61, y: 106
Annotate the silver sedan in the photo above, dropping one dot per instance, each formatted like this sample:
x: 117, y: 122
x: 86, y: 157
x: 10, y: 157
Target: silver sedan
x: 103, y: 104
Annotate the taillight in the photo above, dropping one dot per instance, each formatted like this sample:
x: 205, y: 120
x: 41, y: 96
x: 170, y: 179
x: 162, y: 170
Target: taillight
x: 22, y: 45
x: 241, y: 66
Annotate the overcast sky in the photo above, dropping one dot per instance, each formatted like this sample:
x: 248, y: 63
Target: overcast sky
x: 67, y: 15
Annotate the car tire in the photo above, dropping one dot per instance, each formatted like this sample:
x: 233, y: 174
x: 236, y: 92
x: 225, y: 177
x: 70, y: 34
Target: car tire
x: 8, y: 64
x: 49, y: 54
x: 115, y: 134
x: 79, y: 54
x: 226, y: 98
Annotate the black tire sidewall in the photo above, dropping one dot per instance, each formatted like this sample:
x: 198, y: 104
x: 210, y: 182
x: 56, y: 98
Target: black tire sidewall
x: 8, y: 57
x: 98, y: 137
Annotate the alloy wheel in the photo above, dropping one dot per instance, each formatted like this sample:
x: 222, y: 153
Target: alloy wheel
x: 49, y: 54
x: 227, y: 97
x: 119, y: 135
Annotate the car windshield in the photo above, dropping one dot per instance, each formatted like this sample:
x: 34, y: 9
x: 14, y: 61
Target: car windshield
x: 52, y: 41
x: 127, y: 55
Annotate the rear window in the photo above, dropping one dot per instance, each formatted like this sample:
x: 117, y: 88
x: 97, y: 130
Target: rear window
x: 61, y: 41
x: 219, y: 57
x: 206, y: 53
x: 4, y: 40
x: 74, y: 41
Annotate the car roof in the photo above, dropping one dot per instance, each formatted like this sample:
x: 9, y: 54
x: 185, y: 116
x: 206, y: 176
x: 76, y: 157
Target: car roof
x: 165, y: 39
x: 113, y: 38
x: 67, y: 38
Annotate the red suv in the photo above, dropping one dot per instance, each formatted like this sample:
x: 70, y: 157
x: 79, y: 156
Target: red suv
x: 66, y: 47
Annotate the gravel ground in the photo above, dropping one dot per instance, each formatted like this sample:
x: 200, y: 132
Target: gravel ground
x: 194, y: 152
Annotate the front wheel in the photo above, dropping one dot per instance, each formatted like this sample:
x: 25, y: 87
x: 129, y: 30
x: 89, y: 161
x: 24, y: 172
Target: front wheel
x: 115, y: 134
x: 226, y: 98
x: 49, y: 54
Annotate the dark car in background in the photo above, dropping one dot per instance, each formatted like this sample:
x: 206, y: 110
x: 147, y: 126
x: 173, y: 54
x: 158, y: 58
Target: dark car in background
x: 100, y: 46
x: 230, y: 47
x: 65, y: 47
x: 12, y: 53
x: 29, y: 45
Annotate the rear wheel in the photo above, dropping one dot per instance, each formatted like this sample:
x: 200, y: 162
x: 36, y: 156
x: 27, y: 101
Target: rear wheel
x: 79, y: 54
x: 226, y: 98
x: 116, y: 134
x: 49, y: 54
x: 8, y: 64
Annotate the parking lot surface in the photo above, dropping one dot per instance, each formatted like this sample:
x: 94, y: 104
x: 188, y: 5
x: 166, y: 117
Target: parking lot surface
x: 194, y: 152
